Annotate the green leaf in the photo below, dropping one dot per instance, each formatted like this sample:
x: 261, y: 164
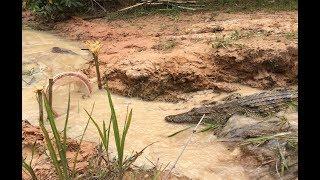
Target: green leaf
x: 116, y: 131
x: 81, y: 139
x: 173, y: 134
x: 98, y: 128
x: 210, y: 126
x: 48, y: 141
x: 104, y: 131
x: 66, y: 124
x: 126, y: 128
x: 29, y: 169
x: 61, y: 149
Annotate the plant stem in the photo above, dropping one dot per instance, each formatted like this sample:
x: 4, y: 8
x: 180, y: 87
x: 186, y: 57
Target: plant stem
x: 39, y: 97
x: 46, y: 135
x: 30, y: 170
x: 96, y: 62
x: 50, y: 91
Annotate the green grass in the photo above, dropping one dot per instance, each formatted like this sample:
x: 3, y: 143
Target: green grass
x: 28, y: 166
x: 206, y: 128
x: 81, y: 139
x: 57, y: 145
x: 104, y: 136
x: 228, y: 6
x: 172, y: 13
x: 48, y: 140
x: 175, y: 133
x: 119, y: 138
x: 236, y: 35
x: 292, y: 35
x: 165, y: 45
x: 283, y: 161
x: 158, y: 171
x: 262, y: 139
x: 59, y: 142
x: 252, y: 5
x: 221, y: 42
x: 120, y: 141
x: 30, y: 170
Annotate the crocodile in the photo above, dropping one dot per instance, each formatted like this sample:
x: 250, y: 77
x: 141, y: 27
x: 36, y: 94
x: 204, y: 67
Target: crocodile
x: 262, y: 104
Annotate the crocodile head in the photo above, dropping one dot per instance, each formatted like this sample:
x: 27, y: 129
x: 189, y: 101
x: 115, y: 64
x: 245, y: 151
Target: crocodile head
x: 181, y: 118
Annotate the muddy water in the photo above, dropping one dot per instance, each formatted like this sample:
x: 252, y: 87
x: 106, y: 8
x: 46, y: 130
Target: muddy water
x: 205, y: 158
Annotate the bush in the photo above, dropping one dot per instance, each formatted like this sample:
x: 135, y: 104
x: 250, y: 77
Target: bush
x: 53, y: 9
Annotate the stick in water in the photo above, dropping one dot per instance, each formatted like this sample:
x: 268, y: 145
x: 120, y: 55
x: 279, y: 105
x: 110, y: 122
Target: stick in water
x: 193, y: 132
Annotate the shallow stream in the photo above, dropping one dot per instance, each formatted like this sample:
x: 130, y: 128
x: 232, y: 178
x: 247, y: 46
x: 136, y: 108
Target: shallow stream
x: 204, y: 158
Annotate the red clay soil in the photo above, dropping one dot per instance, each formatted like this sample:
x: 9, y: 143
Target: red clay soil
x: 157, y: 57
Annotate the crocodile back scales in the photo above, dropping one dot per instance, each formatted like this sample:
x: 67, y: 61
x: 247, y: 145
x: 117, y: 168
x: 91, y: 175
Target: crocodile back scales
x: 261, y: 104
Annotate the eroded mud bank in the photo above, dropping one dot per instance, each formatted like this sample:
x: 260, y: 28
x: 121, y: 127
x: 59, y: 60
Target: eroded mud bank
x: 157, y: 58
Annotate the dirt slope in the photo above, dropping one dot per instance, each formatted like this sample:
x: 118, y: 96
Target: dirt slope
x: 157, y: 57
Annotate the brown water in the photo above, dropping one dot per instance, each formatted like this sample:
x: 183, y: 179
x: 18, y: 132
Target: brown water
x: 204, y: 158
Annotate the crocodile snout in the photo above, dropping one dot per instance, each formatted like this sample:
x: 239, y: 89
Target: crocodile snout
x: 179, y: 119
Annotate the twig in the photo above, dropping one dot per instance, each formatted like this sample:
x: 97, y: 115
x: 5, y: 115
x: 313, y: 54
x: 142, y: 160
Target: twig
x: 100, y: 5
x: 151, y: 162
x: 131, y: 159
x: 131, y: 7
x: 193, y: 132
x: 277, y: 171
x: 183, y: 7
x: 29, y: 81
x: 178, y: 2
x: 102, y: 156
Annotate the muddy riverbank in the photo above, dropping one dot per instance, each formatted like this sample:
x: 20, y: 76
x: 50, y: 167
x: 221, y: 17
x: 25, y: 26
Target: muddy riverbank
x: 159, y: 57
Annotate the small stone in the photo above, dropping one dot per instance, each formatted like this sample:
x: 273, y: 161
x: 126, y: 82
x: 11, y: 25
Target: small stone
x: 158, y: 35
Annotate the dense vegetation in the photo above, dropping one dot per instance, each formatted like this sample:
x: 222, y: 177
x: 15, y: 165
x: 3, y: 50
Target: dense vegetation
x: 53, y: 9
x: 62, y: 9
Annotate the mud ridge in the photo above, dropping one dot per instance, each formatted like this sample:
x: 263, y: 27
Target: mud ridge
x: 260, y: 68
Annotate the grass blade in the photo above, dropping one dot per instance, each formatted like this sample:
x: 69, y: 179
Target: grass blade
x: 32, y: 152
x: 66, y: 124
x: 99, y: 130
x: 107, y: 138
x: 59, y: 143
x: 104, y: 131
x: 173, y: 134
x: 116, y: 131
x: 158, y: 173
x: 50, y: 148
x: 81, y: 139
x: 29, y: 169
x: 209, y: 126
x: 262, y: 139
x: 126, y: 128
x: 52, y: 152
